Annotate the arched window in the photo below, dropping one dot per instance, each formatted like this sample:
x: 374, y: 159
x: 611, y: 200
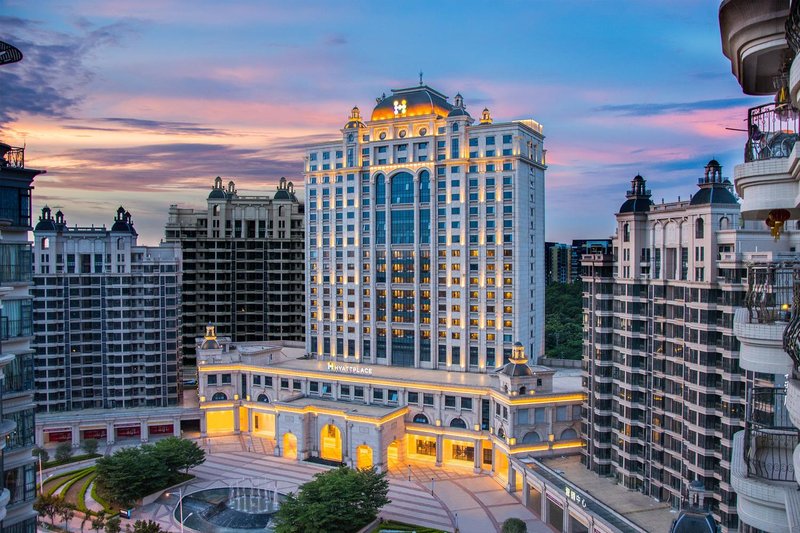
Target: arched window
x: 522, y: 390
x: 501, y: 433
x: 569, y: 434
x: 626, y: 232
x: 45, y: 243
x: 380, y: 189
x: 219, y: 397
x: 424, y: 186
x: 215, y: 210
x: 402, y: 188
x: 699, y: 228
x: 280, y: 211
x: 458, y: 423
x: 531, y: 437
x: 420, y: 419
x: 724, y: 223
x: 455, y: 126
x: 263, y: 398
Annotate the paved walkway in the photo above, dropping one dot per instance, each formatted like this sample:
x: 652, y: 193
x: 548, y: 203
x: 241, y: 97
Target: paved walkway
x: 474, y: 503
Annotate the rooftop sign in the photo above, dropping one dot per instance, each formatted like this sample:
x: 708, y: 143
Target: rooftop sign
x: 349, y: 369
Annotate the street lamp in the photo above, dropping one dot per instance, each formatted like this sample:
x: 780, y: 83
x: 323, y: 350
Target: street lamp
x: 409, y: 472
x: 432, y: 482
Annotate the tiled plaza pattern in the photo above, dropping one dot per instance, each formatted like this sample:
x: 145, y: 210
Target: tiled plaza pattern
x: 473, y: 502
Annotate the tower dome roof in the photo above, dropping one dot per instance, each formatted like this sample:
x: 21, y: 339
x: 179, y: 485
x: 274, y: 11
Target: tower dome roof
x: 714, y: 189
x: 638, y: 197
x: 410, y: 102
x: 46, y: 222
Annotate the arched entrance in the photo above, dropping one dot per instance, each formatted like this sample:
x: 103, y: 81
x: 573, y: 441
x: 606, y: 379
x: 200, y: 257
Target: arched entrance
x: 393, y: 455
x: 290, y: 446
x: 330, y: 443
x: 363, y: 456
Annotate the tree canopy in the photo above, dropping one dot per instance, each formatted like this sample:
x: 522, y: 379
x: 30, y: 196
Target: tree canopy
x: 343, y: 500
x: 563, y: 323
x: 132, y: 473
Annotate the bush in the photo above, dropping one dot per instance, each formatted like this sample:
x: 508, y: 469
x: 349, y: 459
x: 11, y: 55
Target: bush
x: 514, y: 525
x: 41, y: 453
x: 63, y: 451
x: 90, y: 446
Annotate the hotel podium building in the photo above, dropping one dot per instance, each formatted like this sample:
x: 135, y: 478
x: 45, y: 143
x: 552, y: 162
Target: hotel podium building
x: 425, y: 237
x: 666, y: 394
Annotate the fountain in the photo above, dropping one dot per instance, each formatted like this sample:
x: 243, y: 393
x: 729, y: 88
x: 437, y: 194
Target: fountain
x: 238, y: 508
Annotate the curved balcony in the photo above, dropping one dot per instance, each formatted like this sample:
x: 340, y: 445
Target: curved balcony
x: 762, y: 324
x: 754, y: 39
x: 767, y: 179
x: 762, y: 466
x: 5, y: 496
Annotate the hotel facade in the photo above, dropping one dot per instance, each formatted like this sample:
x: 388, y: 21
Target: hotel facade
x: 425, y: 237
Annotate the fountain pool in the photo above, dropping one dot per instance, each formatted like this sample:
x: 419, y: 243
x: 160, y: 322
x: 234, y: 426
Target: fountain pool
x: 230, y: 510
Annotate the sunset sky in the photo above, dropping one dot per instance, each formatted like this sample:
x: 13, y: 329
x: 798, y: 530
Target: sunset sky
x: 142, y: 103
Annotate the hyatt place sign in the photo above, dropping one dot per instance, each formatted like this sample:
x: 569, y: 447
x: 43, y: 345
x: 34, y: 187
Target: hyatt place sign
x: 349, y: 369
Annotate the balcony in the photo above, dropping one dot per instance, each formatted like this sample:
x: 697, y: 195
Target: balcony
x: 754, y: 39
x: 767, y: 180
x: 760, y: 326
x: 762, y: 470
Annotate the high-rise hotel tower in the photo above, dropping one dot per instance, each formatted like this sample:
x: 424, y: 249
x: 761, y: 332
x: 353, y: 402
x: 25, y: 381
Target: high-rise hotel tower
x: 426, y: 237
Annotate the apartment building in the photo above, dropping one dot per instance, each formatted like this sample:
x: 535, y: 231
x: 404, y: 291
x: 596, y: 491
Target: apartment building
x: 761, y: 40
x: 243, y: 265
x: 661, y: 363
x: 18, y: 482
x: 106, y: 316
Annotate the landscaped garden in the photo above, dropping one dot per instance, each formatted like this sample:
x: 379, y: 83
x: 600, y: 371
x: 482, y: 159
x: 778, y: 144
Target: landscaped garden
x: 117, y: 481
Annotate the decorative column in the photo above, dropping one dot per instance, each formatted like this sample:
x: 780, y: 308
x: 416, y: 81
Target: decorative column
x: 439, y: 446
x: 143, y: 431
x: 278, y: 439
x: 478, y: 452
x: 76, y: 435
x: 111, y: 437
x: 511, y: 485
x: 176, y: 428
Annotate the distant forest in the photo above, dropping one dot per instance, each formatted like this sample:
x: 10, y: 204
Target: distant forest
x: 563, y: 322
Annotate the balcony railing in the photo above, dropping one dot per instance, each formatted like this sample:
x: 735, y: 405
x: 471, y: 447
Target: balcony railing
x: 772, y: 133
x: 770, y: 437
x: 793, y: 27
x: 770, y: 291
x: 791, y: 335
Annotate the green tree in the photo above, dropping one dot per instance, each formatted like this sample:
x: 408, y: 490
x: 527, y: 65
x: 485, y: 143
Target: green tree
x: 99, y: 522
x: 140, y: 526
x: 41, y: 453
x: 514, y: 525
x: 45, y: 505
x: 113, y: 525
x: 179, y: 454
x: 131, y: 473
x: 65, y: 510
x: 63, y: 451
x: 90, y: 446
x: 563, y: 325
x: 343, y: 500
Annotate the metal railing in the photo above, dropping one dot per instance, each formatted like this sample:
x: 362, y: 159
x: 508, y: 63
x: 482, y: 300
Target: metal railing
x: 772, y: 133
x: 793, y: 27
x: 13, y: 158
x: 770, y: 291
x: 770, y: 437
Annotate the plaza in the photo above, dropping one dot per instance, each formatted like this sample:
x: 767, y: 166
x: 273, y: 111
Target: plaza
x: 475, y: 503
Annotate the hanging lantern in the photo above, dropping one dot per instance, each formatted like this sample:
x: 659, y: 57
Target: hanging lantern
x: 775, y: 221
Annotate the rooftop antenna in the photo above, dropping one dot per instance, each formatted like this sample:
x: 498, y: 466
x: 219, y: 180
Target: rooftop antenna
x: 420, y: 78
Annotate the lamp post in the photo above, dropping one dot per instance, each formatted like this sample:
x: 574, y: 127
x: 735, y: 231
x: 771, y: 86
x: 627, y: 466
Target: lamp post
x: 409, y: 472
x: 41, y: 478
x: 432, y: 482
x: 185, y: 519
